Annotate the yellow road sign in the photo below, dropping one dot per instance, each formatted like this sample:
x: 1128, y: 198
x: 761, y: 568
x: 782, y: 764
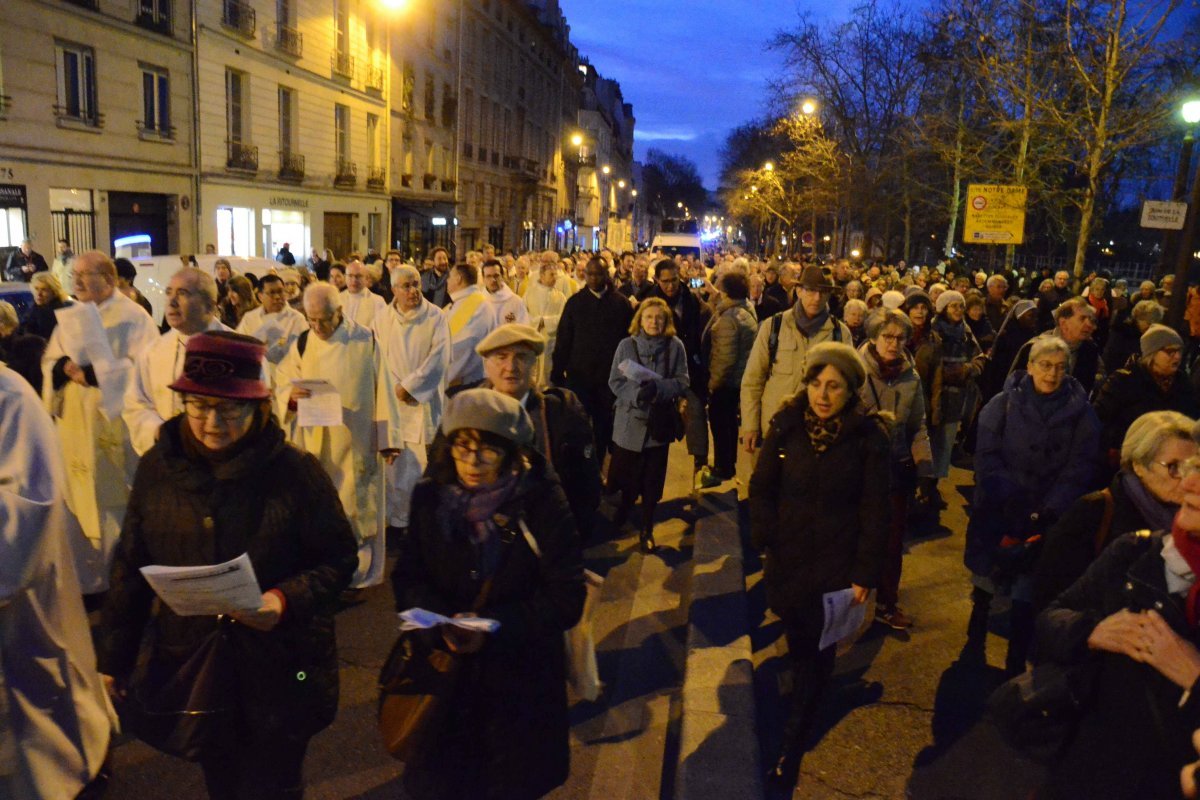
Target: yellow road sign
x: 995, y: 214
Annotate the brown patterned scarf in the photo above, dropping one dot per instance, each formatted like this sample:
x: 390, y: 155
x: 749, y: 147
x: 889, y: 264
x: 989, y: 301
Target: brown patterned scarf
x: 821, y: 432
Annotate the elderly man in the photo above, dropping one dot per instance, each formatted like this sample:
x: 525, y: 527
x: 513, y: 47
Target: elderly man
x: 433, y: 282
x: 84, y: 385
x: 359, y: 303
x: 996, y: 304
x: 1059, y: 293
x: 149, y: 401
x: 1074, y: 323
x: 23, y: 262
x: 341, y: 353
x: 471, y: 318
x: 506, y: 306
x: 274, y: 323
x: 775, y: 370
x: 414, y: 346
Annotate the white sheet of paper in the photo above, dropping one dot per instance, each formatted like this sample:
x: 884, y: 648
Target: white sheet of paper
x: 83, y: 336
x: 208, y: 590
x: 113, y: 377
x: 842, y: 617
x: 415, y: 619
x: 636, y: 372
x: 323, y: 408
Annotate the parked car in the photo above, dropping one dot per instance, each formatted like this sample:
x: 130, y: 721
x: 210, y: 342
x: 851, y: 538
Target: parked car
x: 20, y: 295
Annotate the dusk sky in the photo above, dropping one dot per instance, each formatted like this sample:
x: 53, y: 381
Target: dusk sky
x: 693, y: 70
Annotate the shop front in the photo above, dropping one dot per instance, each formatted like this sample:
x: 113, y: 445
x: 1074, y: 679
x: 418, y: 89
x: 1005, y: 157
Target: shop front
x: 419, y: 227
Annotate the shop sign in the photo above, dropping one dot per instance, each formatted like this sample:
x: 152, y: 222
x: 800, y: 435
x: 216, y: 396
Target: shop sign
x: 288, y: 202
x: 12, y: 195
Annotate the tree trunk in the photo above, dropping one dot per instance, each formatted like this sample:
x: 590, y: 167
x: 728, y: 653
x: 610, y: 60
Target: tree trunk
x: 956, y: 189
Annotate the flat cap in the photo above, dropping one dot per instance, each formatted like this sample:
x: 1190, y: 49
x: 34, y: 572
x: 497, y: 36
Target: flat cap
x: 512, y: 333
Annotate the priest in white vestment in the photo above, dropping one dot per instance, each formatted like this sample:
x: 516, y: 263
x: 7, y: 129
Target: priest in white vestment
x: 86, y: 372
x: 275, y: 323
x: 545, y: 304
x: 470, y: 318
x: 507, y: 306
x: 414, y: 341
x: 359, y: 303
x: 149, y: 401
x: 343, y: 354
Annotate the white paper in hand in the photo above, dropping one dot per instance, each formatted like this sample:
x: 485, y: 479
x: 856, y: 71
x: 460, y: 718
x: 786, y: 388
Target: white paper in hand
x: 208, y: 590
x: 636, y: 372
x: 322, y: 409
x: 82, y: 335
x: 415, y: 619
x: 842, y: 617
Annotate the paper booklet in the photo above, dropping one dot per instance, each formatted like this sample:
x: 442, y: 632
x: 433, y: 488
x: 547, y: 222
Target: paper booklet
x: 208, y: 590
x: 415, y: 619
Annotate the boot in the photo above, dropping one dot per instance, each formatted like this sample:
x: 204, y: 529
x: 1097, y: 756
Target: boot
x: 786, y: 772
x: 1019, y: 638
x: 646, y: 540
x: 975, y: 649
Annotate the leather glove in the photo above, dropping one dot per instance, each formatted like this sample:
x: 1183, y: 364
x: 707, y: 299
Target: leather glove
x: 646, y: 393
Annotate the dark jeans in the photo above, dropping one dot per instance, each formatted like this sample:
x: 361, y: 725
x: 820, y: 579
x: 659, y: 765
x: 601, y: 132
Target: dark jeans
x: 811, y: 670
x: 256, y: 767
x: 598, y: 401
x: 723, y: 418
x: 641, y: 474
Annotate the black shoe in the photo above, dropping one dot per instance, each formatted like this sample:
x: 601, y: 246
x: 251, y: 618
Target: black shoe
x: 351, y: 597
x: 786, y: 771
x: 646, y: 541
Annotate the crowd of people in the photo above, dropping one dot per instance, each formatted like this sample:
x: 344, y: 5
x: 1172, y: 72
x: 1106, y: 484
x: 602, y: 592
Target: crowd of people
x: 485, y: 408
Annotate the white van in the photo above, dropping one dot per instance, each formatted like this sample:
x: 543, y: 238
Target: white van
x: 154, y: 273
x: 687, y: 244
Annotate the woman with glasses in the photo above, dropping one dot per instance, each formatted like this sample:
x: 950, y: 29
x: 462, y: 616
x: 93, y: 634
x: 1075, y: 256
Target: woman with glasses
x: 1146, y: 493
x: 1127, y: 634
x: 1037, y: 452
x: 220, y: 482
x: 1152, y: 383
x: 465, y: 552
x: 649, y: 374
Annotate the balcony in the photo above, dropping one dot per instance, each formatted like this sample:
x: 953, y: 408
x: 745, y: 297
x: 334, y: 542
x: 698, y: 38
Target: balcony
x: 152, y: 132
x: 448, y: 185
x: 68, y: 117
x: 587, y: 162
x: 373, y: 80
x: 406, y: 180
x: 148, y: 19
x: 431, y: 181
x: 347, y: 174
x: 241, y: 157
x: 531, y: 169
x: 239, y: 18
x: 377, y: 179
x: 289, y: 41
x: 512, y: 162
x: 342, y: 65
x: 291, y: 167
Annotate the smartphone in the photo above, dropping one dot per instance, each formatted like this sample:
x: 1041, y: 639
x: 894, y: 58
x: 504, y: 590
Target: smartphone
x: 696, y: 283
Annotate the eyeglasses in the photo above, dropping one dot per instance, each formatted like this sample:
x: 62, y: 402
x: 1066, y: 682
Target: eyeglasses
x: 1054, y: 367
x: 1181, y: 469
x: 484, y: 454
x: 891, y: 337
x: 226, y: 412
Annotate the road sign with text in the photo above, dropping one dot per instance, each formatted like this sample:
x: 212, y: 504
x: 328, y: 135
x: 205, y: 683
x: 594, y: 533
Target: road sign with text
x: 995, y: 214
x: 1163, y: 215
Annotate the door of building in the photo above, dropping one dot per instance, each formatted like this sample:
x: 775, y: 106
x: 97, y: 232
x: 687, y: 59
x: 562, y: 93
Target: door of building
x: 136, y: 213
x: 339, y: 234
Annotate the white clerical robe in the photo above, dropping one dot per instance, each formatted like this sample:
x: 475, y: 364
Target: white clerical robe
x: 277, y: 331
x: 99, y: 456
x: 507, y: 306
x: 362, y: 307
x: 349, y: 452
x: 51, y: 696
x: 545, y: 304
x: 470, y: 318
x: 415, y: 349
x: 149, y: 400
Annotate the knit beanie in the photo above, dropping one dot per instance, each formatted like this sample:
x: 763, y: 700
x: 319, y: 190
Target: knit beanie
x: 1157, y: 337
x: 946, y: 298
x: 842, y: 357
x: 892, y: 300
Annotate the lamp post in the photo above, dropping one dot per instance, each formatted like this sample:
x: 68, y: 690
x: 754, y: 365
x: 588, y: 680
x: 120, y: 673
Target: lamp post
x: 1171, y: 238
x: 1186, y: 242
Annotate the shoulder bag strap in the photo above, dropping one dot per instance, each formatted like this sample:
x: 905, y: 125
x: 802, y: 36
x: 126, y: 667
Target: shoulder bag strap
x: 1105, y: 521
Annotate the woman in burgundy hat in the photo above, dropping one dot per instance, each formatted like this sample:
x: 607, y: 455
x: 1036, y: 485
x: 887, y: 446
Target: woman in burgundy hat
x: 222, y: 481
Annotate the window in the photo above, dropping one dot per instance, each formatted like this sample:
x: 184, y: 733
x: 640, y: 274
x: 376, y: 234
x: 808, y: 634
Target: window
x: 468, y: 121
x: 287, y: 116
x: 155, y: 15
x: 77, y: 83
x: 447, y: 164
x: 406, y: 94
x: 430, y: 97
x: 156, y: 101
x: 372, y: 141
x: 283, y: 13
x: 236, y: 105
x: 341, y: 132
x: 235, y: 231
x: 341, y: 30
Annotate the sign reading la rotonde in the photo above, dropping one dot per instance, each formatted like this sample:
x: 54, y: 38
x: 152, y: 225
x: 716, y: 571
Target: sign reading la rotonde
x: 995, y: 214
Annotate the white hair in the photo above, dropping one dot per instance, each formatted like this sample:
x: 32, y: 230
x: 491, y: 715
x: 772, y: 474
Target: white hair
x: 325, y: 293
x: 1149, y: 433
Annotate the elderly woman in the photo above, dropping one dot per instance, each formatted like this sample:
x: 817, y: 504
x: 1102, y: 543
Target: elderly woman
x: 1125, y: 335
x: 953, y: 371
x: 1152, y: 383
x: 893, y: 390
x: 977, y: 320
x: 1146, y: 493
x: 221, y: 481
x: 854, y: 314
x: 1129, y: 624
x: 1037, y: 450
x: 465, y: 551
x: 21, y: 351
x: 1098, y: 298
x: 649, y: 374
x: 48, y: 297
x: 819, y: 511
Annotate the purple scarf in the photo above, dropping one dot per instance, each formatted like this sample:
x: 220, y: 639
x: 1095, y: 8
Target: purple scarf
x: 475, y: 506
x: 1158, y: 515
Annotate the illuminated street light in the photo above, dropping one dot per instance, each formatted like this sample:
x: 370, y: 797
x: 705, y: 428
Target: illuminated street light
x: 395, y: 5
x: 679, y: 204
x: 825, y: 238
x: 634, y: 193
x: 1191, y: 112
x: 621, y: 183
x: 855, y: 254
x: 577, y: 140
x: 808, y: 107
x: 768, y: 166
x: 606, y: 169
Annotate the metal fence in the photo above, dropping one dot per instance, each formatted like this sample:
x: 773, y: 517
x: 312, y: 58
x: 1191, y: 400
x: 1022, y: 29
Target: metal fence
x: 77, y: 227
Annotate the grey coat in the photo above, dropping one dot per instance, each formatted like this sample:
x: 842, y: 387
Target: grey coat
x: 629, y: 424
x: 727, y: 340
x: 901, y: 404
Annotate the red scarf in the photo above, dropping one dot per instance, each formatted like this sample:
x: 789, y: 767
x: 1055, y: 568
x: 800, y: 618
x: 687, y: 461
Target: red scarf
x: 1189, y: 548
x: 1099, y: 304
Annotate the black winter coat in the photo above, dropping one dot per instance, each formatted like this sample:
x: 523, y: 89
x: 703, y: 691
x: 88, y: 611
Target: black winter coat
x: 274, y: 503
x: 1128, y: 393
x: 508, y: 737
x: 589, y: 331
x: 822, y: 519
x: 1135, y: 737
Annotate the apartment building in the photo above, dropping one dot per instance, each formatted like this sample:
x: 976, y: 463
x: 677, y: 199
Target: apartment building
x: 604, y: 195
x: 294, y: 133
x: 96, y: 125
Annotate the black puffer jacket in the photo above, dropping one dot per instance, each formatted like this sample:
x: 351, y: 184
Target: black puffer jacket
x: 822, y: 519
x: 509, y: 732
x: 272, y: 502
x: 1135, y: 735
x: 1130, y: 392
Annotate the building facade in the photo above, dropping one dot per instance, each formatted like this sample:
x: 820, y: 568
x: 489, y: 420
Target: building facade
x: 605, y: 156
x: 293, y: 146
x: 97, y: 125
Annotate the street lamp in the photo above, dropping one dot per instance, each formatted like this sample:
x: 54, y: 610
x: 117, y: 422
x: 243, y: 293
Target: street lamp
x: 679, y: 204
x: 1190, y: 111
x: 577, y: 140
x: 768, y: 166
x: 634, y: 193
x: 808, y: 108
x: 606, y: 169
x: 621, y: 183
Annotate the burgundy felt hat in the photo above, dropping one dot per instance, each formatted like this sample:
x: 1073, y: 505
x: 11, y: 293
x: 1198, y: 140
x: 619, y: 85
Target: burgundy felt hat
x: 223, y: 364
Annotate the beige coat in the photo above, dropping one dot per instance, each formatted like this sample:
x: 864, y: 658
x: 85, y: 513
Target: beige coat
x: 766, y: 386
x: 50, y: 691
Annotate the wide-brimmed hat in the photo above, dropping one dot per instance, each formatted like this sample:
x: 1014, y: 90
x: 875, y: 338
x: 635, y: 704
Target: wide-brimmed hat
x: 223, y: 364
x: 813, y: 279
x: 488, y: 410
